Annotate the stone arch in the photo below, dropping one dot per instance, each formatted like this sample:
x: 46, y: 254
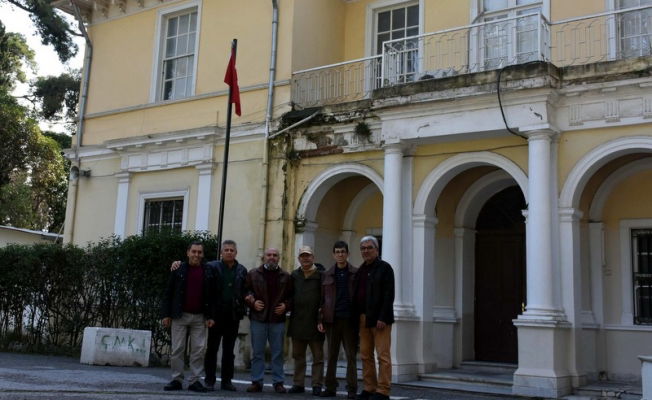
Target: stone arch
x: 622, y: 173
x: 323, y: 182
x: 594, y: 160
x: 438, y: 178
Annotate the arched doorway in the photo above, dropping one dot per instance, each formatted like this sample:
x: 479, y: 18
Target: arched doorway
x: 499, y: 276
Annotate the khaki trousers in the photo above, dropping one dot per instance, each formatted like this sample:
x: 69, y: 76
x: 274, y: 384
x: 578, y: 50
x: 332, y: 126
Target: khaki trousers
x: 299, y: 348
x: 192, y: 325
x: 379, y: 340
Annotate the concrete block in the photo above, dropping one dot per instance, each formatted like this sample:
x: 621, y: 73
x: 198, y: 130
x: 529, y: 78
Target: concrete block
x: 120, y: 347
x: 646, y: 376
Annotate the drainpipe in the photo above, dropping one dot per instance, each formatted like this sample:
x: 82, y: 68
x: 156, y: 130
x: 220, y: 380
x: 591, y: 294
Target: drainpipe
x: 268, y: 123
x: 73, y: 188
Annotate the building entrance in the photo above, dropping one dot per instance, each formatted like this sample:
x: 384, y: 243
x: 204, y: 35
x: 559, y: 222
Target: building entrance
x: 499, y: 276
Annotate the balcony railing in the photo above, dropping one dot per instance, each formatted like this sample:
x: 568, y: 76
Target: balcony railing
x: 480, y: 47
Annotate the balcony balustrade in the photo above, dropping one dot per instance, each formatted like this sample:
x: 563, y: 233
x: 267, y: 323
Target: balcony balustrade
x: 484, y: 46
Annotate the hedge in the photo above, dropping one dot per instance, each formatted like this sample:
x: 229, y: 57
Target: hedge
x: 49, y: 293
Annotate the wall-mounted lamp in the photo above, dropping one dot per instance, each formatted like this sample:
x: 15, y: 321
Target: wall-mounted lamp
x: 75, y: 172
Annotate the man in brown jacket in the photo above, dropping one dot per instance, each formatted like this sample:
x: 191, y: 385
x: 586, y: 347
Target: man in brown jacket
x: 338, y: 320
x: 268, y: 290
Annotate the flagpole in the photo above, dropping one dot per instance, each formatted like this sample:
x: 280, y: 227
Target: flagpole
x: 220, y: 224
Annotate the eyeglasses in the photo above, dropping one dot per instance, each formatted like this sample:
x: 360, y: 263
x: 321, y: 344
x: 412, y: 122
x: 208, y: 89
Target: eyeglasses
x: 366, y: 247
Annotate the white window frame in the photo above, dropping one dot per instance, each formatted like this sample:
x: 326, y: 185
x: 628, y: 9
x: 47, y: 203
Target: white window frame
x: 627, y: 270
x: 370, y: 32
x: 159, y: 47
x: 476, y: 59
x: 380, y: 5
x: 613, y: 31
x: 145, y: 196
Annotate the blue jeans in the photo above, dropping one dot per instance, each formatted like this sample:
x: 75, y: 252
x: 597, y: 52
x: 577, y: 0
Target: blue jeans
x: 261, y: 333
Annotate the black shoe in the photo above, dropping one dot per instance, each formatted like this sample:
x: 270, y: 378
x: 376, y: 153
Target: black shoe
x: 279, y: 388
x: 351, y: 395
x: 316, y: 390
x: 197, y: 387
x: 173, y: 385
x: 364, y: 395
x: 329, y: 393
x: 228, y: 386
x: 210, y: 387
x: 297, y: 389
x: 379, y: 396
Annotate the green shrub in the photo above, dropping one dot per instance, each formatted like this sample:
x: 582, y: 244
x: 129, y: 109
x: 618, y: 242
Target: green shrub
x: 50, y: 293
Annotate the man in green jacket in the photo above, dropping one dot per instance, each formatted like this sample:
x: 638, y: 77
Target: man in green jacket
x: 306, y: 282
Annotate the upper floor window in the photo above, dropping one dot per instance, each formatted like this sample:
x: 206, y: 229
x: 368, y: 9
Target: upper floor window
x: 635, y: 29
x: 642, y: 270
x: 163, y: 215
x: 510, y: 35
x: 177, y: 55
x: 397, y: 22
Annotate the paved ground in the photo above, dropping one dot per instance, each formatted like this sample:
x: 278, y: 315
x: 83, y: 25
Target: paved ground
x: 25, y: 376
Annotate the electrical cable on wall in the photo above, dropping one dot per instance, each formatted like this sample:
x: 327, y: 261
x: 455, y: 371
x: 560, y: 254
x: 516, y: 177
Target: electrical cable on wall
x: 500, y: 102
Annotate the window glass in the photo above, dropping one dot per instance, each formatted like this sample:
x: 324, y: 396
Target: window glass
x: 642, y: 269
x: 178, y: 59
x: 163, y: 215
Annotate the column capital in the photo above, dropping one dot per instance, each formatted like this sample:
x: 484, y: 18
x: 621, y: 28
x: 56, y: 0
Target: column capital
x: 569, y: 214
x: 394, y: 148
x: 424, y: 221
x: 123, y: 177
x: 544, y: 132
x: 204, y: 168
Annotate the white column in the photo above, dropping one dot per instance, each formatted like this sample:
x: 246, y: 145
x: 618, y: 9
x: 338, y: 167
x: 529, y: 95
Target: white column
x: 121, y: 203
x: 423, y: 268
x: 542, y: 302
x: 304, y: 236
x: 596, y: 257
x: 203, y: 196
x: 464, y: 289
x: 392, y: 194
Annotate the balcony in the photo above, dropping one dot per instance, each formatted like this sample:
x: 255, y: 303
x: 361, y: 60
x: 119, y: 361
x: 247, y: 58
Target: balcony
x: 479, y: 47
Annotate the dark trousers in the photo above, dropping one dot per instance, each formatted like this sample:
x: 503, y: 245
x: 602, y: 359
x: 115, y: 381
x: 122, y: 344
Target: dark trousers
x: 341, y: 331
x: 225, y: 330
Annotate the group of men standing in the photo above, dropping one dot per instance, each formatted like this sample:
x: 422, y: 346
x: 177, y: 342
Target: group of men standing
x: 344, y: 305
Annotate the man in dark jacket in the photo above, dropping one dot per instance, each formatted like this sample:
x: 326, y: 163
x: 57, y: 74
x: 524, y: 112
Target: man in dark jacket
x: 188, y: 307
x: 373, y: 300
x: 306, y: 285
x: 337, y: 319
x: 269, y: 290
x: 229, y: 310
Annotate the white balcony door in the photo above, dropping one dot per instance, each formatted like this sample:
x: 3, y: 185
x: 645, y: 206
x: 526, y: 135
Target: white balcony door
x: 509, y: 36
x: 394, y: 23
x: 635, y: 29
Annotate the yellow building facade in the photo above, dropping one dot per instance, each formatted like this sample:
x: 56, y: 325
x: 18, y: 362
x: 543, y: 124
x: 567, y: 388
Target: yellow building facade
x: 498, y: 149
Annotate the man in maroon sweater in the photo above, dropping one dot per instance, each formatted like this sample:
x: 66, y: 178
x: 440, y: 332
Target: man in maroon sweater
x: 188, y: 307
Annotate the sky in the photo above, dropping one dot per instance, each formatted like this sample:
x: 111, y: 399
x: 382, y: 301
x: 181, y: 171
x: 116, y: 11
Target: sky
x: 47, y: 61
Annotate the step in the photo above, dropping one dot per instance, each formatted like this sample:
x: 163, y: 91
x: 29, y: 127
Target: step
x: 474, y: 378
x: 490, y: 367
x: 610, y: 390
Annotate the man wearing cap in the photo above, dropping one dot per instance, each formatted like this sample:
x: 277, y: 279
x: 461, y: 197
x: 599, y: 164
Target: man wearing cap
x: 306, y: 281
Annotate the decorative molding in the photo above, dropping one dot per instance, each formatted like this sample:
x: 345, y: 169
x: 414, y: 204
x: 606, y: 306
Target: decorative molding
x: 575, y: 115
x: 612, y: 111
x: 647, y: 107
x: 167, y: 158
x: 446, y: 315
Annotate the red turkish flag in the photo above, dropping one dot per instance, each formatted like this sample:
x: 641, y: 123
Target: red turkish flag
x: 231, y: 79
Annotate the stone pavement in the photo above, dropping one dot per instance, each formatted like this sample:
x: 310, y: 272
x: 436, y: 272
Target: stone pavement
x: 28, y: 376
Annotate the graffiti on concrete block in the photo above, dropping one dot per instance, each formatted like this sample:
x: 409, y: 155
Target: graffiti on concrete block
x: 123, y: 343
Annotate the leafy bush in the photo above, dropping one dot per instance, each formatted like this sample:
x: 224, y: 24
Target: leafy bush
x: 50, y: 293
